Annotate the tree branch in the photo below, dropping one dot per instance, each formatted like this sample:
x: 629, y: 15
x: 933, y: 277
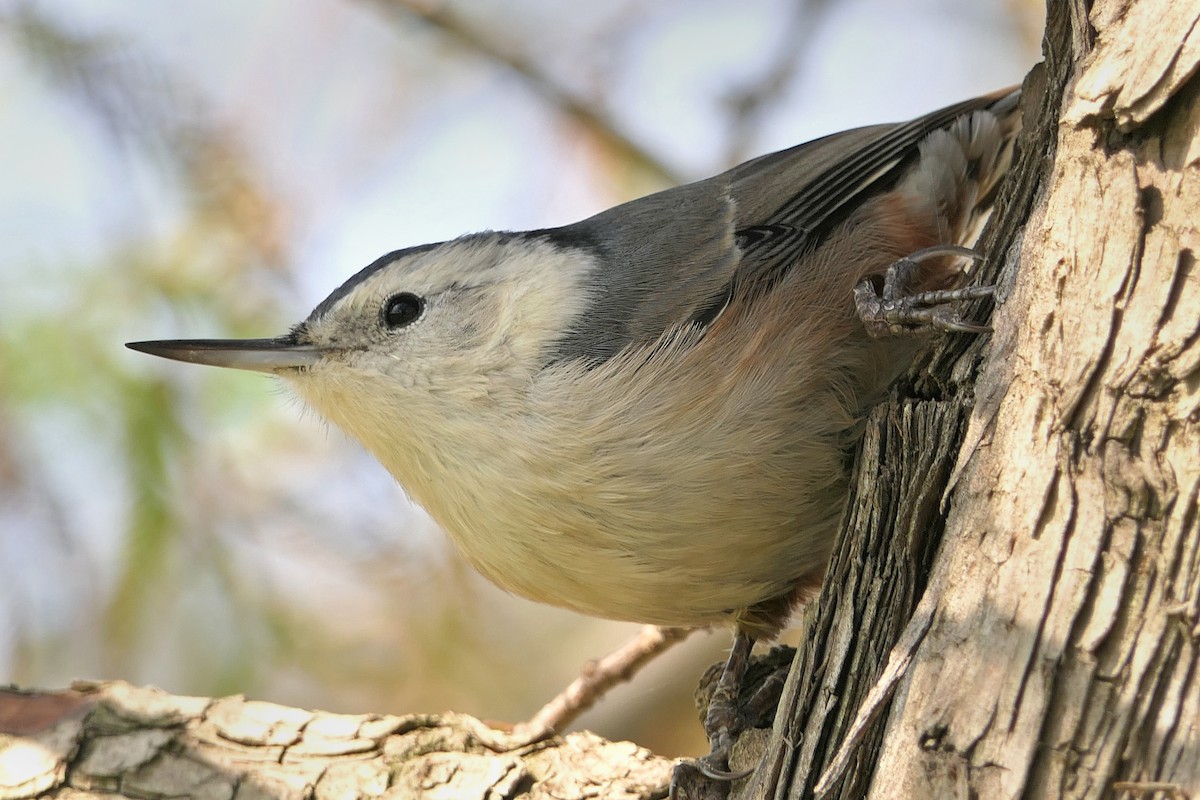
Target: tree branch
x: 100, y: 740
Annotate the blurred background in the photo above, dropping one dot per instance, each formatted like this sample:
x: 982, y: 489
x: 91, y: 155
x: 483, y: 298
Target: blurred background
x: 196, y: 169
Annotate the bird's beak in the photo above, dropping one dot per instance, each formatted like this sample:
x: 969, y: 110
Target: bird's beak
x: 261, y: 355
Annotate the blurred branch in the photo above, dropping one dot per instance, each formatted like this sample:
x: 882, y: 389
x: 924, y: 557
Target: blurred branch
x: 749, y: 104
x: 141, y: 104
x: 593, y: 119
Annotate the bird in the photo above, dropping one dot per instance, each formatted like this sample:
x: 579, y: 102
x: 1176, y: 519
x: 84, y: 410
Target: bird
x: 648, y: 415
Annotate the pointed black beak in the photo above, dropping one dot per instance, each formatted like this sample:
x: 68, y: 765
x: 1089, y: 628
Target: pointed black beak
x: 261, y: 355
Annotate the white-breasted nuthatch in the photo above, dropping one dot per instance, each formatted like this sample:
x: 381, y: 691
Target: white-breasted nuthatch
x: 646, y: 415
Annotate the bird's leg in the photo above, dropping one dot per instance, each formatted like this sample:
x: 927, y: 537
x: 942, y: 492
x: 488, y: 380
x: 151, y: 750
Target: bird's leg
x: 722, y: 723
x: 597, y: 677
x: 894, y: 312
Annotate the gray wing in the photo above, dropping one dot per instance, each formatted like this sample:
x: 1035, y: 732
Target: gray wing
x: 673, y: 257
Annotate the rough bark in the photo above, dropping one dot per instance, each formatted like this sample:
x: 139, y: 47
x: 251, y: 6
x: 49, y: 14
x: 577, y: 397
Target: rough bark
x: 108, y: 740
x: 1014, y: 607
x: 1053, y: 652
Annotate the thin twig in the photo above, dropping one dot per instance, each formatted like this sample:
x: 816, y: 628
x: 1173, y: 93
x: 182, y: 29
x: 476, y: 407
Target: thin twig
x: 598, y: 676
x: 898, y: 663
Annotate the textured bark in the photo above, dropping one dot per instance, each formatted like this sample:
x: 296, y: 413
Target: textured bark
x: 110, y: 740
x: 1053, y: 652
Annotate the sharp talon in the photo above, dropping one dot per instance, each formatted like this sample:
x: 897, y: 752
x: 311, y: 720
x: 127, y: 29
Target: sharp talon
x: 722, y: 721
x: 965, y: 327
x: 898, y: 308
x: 894, y: 312
x: 715, y: 774
x: 686, y: 774
x: 945, y: 250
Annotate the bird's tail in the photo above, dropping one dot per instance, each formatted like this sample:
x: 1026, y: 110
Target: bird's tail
x: 959, y: 170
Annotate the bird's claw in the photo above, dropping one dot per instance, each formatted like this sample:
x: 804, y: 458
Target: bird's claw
x: 893, y: 312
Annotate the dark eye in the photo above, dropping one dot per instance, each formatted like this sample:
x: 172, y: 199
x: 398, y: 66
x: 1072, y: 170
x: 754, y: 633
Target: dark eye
x: 402, y: 309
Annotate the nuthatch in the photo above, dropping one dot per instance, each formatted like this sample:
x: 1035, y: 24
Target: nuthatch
x: 646, y: 415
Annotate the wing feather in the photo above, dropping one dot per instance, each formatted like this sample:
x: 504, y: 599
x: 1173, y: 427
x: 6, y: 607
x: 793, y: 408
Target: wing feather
x: 672, y: 258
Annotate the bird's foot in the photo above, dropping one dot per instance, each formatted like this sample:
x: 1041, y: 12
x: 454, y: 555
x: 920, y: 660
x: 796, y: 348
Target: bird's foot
x: 892, y: 311
x: 709, y: 777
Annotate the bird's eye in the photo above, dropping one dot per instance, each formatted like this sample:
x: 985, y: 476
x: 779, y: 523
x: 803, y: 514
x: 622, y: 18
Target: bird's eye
x: 402, y: 309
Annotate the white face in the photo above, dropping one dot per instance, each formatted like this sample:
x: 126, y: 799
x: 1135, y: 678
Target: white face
x: 448, y: 322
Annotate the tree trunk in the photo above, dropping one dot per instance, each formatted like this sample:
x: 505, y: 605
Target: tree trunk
x: 1014, y: 607
x: 1053, y: 651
